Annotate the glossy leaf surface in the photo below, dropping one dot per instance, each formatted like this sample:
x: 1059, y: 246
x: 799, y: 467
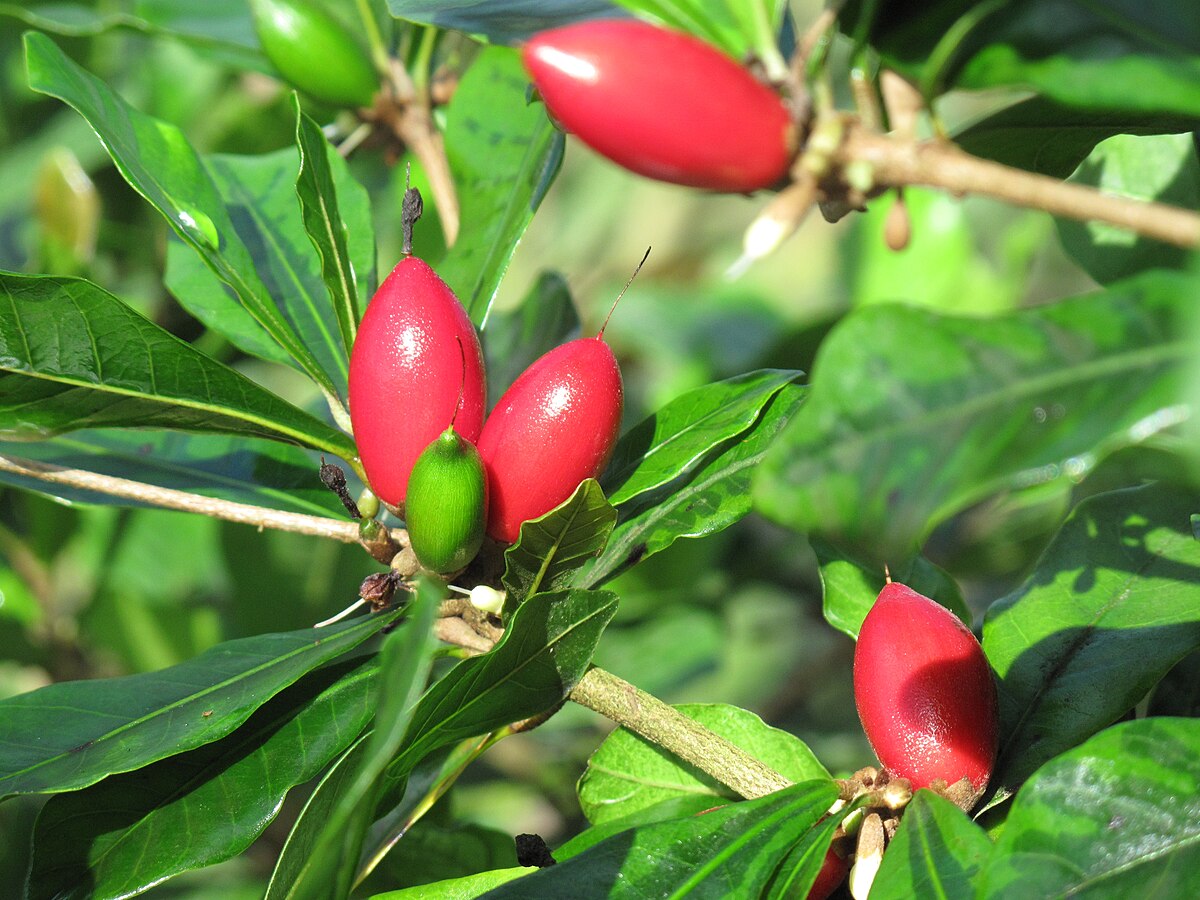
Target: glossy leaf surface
x: 893, y: 442
x: 1109, y: 609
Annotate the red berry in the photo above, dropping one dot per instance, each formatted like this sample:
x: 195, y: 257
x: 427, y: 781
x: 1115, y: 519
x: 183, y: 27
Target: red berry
x: 553, y: 428
x: 924, y: 691
x: 662, y: 104
x: 832, y: 874
x: 405, y: 374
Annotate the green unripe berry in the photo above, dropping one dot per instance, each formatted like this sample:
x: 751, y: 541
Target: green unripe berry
x: 446, y: 507
x: 315, y: 52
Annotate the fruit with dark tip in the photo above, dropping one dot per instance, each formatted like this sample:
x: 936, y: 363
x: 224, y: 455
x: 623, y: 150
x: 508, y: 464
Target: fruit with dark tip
x: 447, y: 504
x: 315, y: 52
x: 662, y: 104
x: 554, y: 427
x: 924, y: 691
x: 406, y: 370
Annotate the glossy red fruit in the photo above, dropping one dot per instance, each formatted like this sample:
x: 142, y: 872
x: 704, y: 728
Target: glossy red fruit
x: 553, y: 428
x: 405, y: 374
x: 832, y: 874
x: 662, y: 104
x: 924, y: 691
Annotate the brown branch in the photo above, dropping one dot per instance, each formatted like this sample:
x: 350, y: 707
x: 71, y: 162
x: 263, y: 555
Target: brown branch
x: 938, y: 164
x: 169, y: 498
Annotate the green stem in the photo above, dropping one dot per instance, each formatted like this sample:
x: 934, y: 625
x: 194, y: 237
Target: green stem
x: 379, y: 51
x: 422, y: 61
x: 766, y: 44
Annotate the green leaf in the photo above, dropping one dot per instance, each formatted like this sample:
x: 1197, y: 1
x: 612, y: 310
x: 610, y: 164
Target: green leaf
x: 937, y: 852
x: 406, y: 659
x: 735, y: 848
x: 675, y: 440
x: 514, y: 338
x: 1042, y: 136
x: 223, y: 25
x: 552, y: 548
x: 1163, y: 168
x: 228, y: 467
x: 466, y: 888
x: 318, y: 189
x: 435, y: 851
x: 1138, y: 56
x: 800, y: 868
x: 131, y: 831
x: 851, y: 585
x: 501, y: 21
x: 545, y: 650
x: 122, y: 724
x: 628, y: 774
x: 159, y: 163
x: 717, y: 22
x: 504, y: 154
x: 893, y: 442
x: 1109, y: 609
x: 1115, y: 817
x: 74, y: 356
x: 716, y: 495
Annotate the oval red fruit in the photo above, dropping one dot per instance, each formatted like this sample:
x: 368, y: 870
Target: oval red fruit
x: 406, y: 369
x: 553, y: 428
x: 832, y: 874
x: 924, y: 691
x: 662, y: 104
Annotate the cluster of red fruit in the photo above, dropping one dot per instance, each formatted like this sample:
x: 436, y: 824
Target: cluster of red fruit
x: 417, y: 400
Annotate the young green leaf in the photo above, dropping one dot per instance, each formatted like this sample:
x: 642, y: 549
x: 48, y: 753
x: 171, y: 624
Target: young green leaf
x: 122, y: 724
x: 1127, y: 562
x: 553, y: 548
x: 74, y: 356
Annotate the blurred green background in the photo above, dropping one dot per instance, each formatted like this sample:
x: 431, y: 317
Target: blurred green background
x: 735, y: 618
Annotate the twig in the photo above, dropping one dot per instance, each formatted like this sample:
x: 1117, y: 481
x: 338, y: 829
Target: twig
x: 938, y: 164
x: 169, y: 498
x: 660, y: 724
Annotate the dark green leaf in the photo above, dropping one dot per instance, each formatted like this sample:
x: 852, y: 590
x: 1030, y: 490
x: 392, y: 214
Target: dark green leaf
x: 1160, y: 167
x: 318, y: 189
x: 1139, y: 56
x: 915, y: 416
x: 131, y: 831
x: 159, y: 163
x: 1178, y: 694
x: 851, y: 586
x: 514, y: 338
x: 1118, y: 816
x: 504, y: 153
x: 732, y: 851
x: 937, y: 852
x: 121, y: 724
x: 332, y: 862
x: 1052, y: 139
x: 552, y: 548
x: 627, y: 774
x: 799, y: 869
x: 1110, y: 607
x: 729, y: 26
x: 74, y: 356
x: 499, y: 20
x: 715, y: 496
x: 238, y: 468
x: 545, y: 650
x: 676, y: 439
x: 435, y: 851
